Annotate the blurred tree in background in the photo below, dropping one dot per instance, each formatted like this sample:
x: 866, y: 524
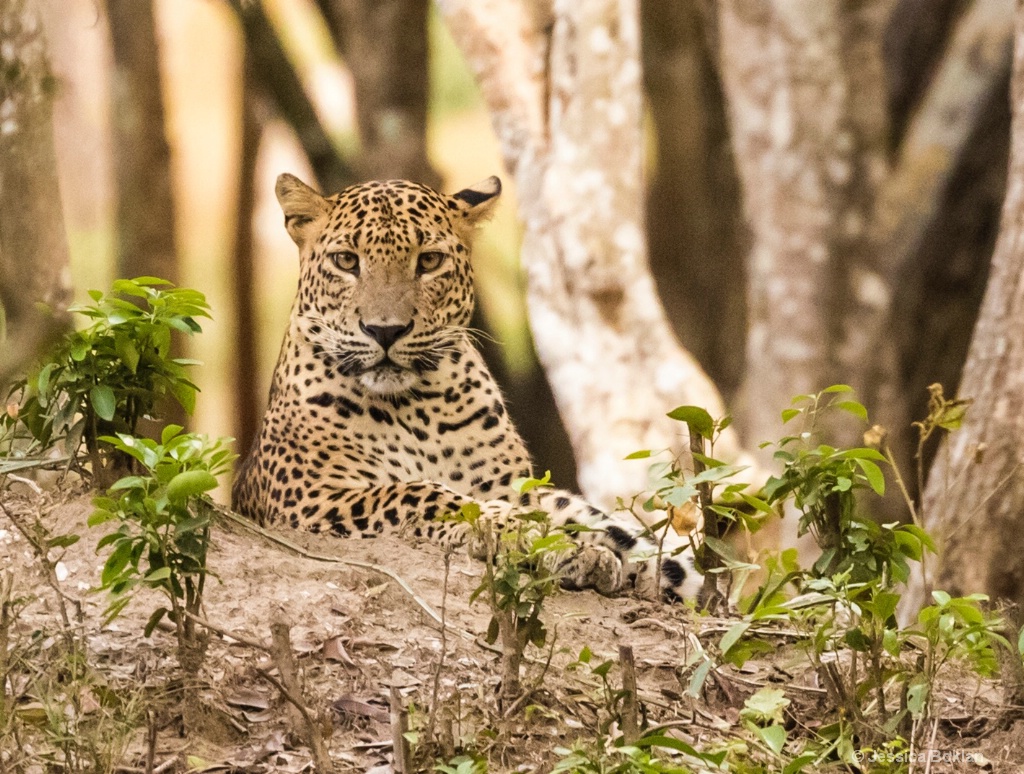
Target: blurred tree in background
x: 822, y: 181
x: 33, y: 248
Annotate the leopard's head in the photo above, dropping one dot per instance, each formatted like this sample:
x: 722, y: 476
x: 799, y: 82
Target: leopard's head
x: 385, y: 284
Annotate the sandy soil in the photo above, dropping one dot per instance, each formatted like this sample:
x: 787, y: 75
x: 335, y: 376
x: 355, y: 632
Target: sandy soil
x: 358, y: 632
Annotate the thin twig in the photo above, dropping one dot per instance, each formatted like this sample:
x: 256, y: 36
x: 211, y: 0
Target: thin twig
x: 289, y: 687
x: 436, y: 689
x: 42, y: 550
x: 402, y: 762
x: 630, y: 718
x: 150, y: 741
x: 225, y: 633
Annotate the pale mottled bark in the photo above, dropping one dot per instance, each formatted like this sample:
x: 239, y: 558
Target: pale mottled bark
x: 974, y: 499
x: 33, y: 246
x: 564, y: 92
x: 805, y: 85
x: 798, y: 153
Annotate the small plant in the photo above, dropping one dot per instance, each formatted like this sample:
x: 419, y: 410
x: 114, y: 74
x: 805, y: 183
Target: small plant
x: 846, y: 602
x: 163, y: 533
x: 104, y: 378
x: 463, y: 764
x: 520, y: 573
x: 706, y: 485
x: 653, y: 753
x: 609, y: 697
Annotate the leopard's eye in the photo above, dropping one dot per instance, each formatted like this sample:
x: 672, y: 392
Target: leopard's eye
x: 428, y: 262
x: 345, y: 260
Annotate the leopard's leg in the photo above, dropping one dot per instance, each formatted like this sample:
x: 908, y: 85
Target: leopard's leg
x: 419, y: 509
x: 667, y: 570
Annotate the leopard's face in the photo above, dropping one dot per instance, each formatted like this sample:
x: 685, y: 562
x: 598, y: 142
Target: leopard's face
x: 386, y: 284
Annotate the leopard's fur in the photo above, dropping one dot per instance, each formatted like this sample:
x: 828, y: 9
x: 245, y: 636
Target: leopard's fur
x: 382, y: 414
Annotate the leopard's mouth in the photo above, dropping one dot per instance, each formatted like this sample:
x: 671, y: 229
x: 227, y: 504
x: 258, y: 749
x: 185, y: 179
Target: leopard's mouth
x: 385, y: 365
x: 386, y: 377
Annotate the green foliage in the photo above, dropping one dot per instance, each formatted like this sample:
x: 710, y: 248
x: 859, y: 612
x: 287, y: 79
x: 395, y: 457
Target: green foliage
x: 847, y: 600
x: 163, y: 531
x: 710, y: 486
x: 523, y: 572
x: 654, y: 753
x: 107, y: 376
x: 463, y: 764
x: 823, y: 483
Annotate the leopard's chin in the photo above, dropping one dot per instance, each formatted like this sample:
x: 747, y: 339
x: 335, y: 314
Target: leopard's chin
x: 387, y: 380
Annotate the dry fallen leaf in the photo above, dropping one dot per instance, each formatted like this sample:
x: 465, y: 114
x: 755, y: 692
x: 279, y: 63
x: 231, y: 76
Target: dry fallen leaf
x: 352, y: 706
x: 334, y: 651
x: 375, y: 591
x: 247, y: 699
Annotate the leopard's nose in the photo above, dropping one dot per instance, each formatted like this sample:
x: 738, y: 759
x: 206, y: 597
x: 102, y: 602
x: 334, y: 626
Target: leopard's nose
x: 385, y: 335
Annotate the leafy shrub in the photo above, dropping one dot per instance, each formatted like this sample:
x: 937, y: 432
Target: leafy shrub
x: 106, y: 377
x: 163, y: 532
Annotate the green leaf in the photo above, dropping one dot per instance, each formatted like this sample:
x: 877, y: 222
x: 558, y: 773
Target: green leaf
x: 129, y: 482
x: 918, y: 695
x: 837, y: 388
x: 159, y: 574
x: 524, y: 485
x: 185, y: 394
x: 857, y: 640
x: 62, y: 541
x: 873, y: 474
x: 191, y: 525
x: 127, y: 351
x: 790, y: 413
x: 190, y: 483
x: 103, y: 402
x: 765, y: 704
x: 99, y: 516
x: 154, y: 619
x: 79, y: 350
x: 861, y: 453
x: 169, y: 433
x: 796, y: 765
x: 884, y: 605
x: 696, y: 418
x: 700, y: 674
x: 852, y: 407
x: 774, y: 736
x: 732, y: 636
x: 639, y: 455
x: 43, y: 381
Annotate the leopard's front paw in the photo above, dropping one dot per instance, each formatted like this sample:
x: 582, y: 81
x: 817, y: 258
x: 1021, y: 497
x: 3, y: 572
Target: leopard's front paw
x: 591, y: 567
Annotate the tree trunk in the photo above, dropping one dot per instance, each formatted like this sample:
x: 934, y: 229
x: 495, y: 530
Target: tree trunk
x: 563, y: 86
x: 384, y: 43
x: 694, y: 219
x: 33, y: 246
x: 145, y: 199
x: 277, y: 75
x: 248, y: 400
x: 974, y: 499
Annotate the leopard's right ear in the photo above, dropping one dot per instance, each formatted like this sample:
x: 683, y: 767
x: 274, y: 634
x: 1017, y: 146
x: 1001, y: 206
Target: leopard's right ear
x: 305, y: 211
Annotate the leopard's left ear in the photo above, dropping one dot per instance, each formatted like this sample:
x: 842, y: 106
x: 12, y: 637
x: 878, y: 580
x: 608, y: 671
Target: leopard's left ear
x: 476, y: 203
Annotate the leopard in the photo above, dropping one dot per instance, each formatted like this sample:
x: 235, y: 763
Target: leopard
x: 383, y: 416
